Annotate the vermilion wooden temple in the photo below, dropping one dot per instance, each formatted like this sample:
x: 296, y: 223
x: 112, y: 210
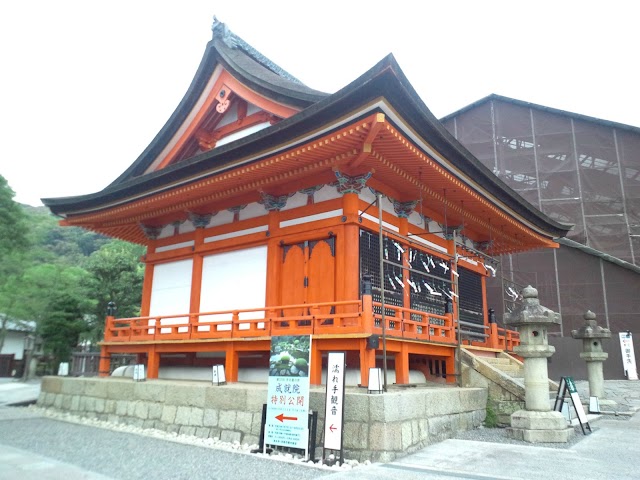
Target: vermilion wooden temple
x: 257, y: 204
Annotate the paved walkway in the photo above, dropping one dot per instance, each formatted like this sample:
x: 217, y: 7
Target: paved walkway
x: 14, y: 391
x: 33, y: 447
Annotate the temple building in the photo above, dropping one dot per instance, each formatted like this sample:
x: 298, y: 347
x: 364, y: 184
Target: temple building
x: 269, y: 208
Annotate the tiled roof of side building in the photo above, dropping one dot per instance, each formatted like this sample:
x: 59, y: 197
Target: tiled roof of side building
x: 556, y: 111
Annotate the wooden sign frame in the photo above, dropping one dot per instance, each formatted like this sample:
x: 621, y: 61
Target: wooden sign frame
x: 567, y: 384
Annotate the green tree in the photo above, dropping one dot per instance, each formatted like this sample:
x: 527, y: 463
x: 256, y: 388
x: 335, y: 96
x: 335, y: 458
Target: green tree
x: 13, y: 228
x: 116, y: 275
x: 13, y: 248
x: 61, y: 328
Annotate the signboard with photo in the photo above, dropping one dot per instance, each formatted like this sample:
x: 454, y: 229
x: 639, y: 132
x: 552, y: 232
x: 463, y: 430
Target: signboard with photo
x: 288, y: 393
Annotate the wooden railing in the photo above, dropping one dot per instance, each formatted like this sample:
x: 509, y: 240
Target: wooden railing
x: 507, y: 339
x: 329, y: 318
x: 414, y: 324
x: 313, y: 318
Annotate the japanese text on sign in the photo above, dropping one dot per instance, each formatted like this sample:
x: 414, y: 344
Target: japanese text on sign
x: 334, y: 401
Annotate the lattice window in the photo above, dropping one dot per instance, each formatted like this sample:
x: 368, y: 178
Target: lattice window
x: 428, y: 281
x: 393, y: 275
x: 431, y: 277
x: 471, y: 299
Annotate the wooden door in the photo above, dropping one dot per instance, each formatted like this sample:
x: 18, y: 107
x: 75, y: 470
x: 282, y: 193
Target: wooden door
x: 308, y: 274
x: 322, y: 273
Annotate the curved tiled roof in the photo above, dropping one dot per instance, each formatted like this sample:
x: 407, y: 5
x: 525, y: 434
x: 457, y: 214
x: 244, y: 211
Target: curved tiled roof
x: 384, y: 81
x: 245, y: 63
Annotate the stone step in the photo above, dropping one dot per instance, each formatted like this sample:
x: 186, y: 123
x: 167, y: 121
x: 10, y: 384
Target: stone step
x: 497, y: 361
x: 512, y: 370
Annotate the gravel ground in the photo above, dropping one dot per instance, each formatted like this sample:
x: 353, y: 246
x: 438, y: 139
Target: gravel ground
x: 89, y: 444
x: 134, y: 456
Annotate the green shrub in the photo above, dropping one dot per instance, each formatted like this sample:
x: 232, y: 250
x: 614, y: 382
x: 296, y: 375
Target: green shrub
x: 491, y: 419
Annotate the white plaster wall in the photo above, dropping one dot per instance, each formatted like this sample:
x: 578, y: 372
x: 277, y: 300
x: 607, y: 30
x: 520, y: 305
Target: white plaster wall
x: 14, y: 343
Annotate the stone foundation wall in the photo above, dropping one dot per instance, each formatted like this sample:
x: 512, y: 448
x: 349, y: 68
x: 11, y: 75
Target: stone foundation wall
x: 376, y: 427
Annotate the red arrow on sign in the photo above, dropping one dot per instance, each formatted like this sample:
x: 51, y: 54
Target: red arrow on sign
x: 332, y: 428
x: 282, y: 418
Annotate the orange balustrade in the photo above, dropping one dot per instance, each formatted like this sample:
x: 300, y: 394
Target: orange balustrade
x: 414, y: 324
x: 344, y: 317
x: 507, y: 339
x: 256, y: 322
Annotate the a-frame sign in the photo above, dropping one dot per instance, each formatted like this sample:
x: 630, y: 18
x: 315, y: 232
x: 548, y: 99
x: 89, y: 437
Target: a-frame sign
x: 567, y: 384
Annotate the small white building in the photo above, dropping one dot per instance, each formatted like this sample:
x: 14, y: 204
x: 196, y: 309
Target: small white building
x: 13, y: 347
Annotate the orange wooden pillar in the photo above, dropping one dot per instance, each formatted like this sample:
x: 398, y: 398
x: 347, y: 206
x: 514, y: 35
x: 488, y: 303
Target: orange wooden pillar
x: 494, y: 341
x: 104, y: 367
x: 153, y: 362
x: 274, y: 259
x: 348, y: 283
x: 367, y: 361
x: 402, y: 364
x: 315, y: 369
x: 450, y: 365
x: 231, y: 363
x: 196, y: 281
x: 147, y: 284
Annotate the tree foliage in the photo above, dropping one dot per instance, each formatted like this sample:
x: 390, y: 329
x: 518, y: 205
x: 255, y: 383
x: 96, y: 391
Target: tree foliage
x: 13, y: 248
x: 13, y: 228
x: 62, y: 277
x: 116, y: 275
x: 61, y: 327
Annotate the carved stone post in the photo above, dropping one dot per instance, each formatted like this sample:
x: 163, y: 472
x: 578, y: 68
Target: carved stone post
x: 537, y: 423
x: 592, y: 335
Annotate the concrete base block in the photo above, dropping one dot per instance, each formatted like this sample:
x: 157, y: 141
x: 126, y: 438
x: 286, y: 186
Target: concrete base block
x: 539, y: 427
x: 541, y: 436
x: 538, y: 420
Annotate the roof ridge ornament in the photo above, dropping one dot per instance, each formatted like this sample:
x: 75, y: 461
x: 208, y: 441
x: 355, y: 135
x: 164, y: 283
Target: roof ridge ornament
x: 231, y: 40
x: 221, y: 31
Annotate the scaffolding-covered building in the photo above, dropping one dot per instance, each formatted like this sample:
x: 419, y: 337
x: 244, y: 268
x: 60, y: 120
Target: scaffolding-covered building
x: 576, y: 169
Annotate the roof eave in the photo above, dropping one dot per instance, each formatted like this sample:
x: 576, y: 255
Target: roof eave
x: 386, y: 80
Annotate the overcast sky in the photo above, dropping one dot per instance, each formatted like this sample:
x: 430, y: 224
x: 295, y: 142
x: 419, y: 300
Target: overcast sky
x: 86, y: 85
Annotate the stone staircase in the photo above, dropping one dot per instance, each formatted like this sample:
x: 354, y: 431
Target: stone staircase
x: 507, y: 365
x: 503, y: 376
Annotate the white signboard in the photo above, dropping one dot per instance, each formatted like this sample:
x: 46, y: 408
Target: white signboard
x: 334, y: 404
x: 577, y: 404
x: 287, y: 422
x: 628, y: 356
x: 375, y: 380
x: 63, y: 369
x: 138, y: 373
x: 218, y: 376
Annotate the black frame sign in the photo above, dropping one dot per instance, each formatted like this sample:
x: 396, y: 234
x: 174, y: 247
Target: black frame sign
x: 334, y: 403
x: 567, y: 384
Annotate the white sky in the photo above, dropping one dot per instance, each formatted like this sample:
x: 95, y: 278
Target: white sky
x: 86, y: 85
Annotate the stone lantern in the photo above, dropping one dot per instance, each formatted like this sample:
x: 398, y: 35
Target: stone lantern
x: 592, y: 335
x: 537, y: 423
